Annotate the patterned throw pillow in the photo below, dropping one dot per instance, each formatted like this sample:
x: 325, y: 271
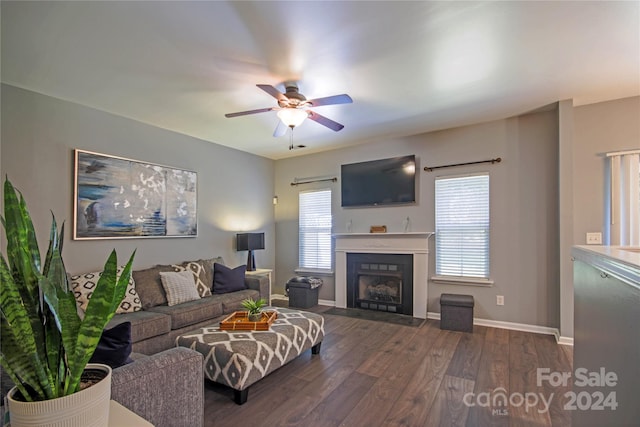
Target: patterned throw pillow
x: 179, y: 286
x: 83, y: 286
x: 199, y: 276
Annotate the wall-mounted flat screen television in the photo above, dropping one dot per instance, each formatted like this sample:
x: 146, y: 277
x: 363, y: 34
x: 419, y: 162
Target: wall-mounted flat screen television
x: 379, y: 182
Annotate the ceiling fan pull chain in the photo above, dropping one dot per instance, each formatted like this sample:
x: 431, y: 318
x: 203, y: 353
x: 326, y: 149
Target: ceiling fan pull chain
x: 291, y: 139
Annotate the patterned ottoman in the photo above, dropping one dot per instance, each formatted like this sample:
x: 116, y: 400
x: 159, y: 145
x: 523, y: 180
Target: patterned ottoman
x: 240, y: 358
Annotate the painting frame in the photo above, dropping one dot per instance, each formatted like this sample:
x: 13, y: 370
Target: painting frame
x: 121, y: 198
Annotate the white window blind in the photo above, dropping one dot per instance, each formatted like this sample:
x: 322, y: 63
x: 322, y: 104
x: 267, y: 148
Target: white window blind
x: 462, y: 226
x: 314, y: 234
x: 624, y: 227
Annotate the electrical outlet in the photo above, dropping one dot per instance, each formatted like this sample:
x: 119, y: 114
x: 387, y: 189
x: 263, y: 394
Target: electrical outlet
x: 500, y: 299
x: 594, y: 238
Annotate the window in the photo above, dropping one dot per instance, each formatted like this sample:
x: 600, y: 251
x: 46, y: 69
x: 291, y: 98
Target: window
x: 314, y: 233
x: 624, y: 198
x: 462, y: 226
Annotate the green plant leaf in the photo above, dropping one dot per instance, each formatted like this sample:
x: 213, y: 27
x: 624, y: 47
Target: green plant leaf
x: 60, y: 309
x: 18, y: 344
x: 253, y: 307
x: 23, y: 256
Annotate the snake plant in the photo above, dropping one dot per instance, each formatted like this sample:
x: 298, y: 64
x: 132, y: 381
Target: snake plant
x: 45, y: 344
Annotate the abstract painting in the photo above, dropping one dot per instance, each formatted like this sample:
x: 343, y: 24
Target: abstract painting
x: 123, y: 198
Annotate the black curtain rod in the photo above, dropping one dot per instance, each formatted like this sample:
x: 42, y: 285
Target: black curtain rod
x: 492, y: 161
x: 334, y: 179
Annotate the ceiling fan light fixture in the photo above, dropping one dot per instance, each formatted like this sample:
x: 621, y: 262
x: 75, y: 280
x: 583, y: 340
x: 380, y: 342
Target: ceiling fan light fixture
x: 292, y: 117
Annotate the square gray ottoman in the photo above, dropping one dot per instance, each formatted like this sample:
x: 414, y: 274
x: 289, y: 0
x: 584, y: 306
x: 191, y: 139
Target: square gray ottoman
x: 456, y: 312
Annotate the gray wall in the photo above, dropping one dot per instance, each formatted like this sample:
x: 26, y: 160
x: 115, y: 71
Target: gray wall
x: 39, y: 134
x: 599, y: 128
x: 524, y: 203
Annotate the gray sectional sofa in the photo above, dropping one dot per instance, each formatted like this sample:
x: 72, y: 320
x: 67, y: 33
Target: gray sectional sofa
x: 156, y: 327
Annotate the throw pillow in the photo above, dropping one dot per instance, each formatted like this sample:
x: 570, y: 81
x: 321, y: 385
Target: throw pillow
x: 199, y: 275
x: 114, y: 347
x: 150, y: 286
x: 179, y: 286
x: 83, y: 286
x: 208, y: 267
x: 227, y: 279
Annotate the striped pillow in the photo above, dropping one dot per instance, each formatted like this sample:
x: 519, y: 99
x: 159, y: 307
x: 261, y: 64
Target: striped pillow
x: 180, y: 286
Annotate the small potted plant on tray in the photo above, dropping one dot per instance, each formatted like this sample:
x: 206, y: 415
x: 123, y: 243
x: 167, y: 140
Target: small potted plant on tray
x: 46, y: 346
x: 254, y: 308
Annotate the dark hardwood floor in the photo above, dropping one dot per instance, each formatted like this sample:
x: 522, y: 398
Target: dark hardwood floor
x: 378, y: 374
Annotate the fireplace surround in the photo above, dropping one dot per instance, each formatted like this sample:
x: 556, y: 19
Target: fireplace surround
x: 413, y: 243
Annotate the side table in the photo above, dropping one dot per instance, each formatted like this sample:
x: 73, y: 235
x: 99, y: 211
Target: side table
x: 120, y: 416
x: 263, y: 272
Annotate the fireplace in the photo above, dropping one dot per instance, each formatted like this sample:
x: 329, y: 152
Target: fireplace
x: 382, y: 282
x: 411, y: 244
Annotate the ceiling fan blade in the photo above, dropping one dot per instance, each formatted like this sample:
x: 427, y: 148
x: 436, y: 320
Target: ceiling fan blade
x: 281, y: 129
x: 244, y: 113
x: 273, y: 92
x: 331, y: 100
x: 325, y: 121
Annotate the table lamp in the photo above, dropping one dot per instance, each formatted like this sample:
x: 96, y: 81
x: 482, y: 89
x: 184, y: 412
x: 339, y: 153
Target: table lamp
x: 250, y: 242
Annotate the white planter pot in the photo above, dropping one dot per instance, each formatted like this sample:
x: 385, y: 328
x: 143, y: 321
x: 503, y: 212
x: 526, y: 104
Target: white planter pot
x: 86, y: 408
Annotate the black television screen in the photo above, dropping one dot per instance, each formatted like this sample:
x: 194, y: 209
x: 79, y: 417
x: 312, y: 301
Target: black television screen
x: 379, y: 182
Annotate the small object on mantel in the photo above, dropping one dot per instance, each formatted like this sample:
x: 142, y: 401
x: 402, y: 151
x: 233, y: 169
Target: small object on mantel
x: 378, y: 229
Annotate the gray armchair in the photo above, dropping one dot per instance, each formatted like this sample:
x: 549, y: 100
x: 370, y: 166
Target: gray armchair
x: 167, y: 388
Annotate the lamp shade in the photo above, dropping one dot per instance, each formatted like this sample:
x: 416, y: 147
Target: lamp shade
x: 249, y: 241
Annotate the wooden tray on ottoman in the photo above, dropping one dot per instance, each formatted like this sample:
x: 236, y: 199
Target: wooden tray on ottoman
x: 239, y: 321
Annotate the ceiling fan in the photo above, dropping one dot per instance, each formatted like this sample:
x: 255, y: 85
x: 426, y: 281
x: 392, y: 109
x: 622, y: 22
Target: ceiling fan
x: 293, y: 107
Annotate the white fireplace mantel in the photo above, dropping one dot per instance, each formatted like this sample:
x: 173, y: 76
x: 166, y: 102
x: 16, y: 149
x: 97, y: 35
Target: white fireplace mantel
x: 415, y: 243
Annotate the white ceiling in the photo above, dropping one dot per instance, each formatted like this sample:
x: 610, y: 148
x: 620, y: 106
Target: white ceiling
x: 410, y: 67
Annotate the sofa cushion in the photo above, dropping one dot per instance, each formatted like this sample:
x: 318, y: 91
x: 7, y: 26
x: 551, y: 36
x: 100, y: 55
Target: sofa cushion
x: 179, y: 286
x: 199, y: 276
x: 144, y: 324
x: 191, y: 312
x: 227, y: 279
x: 83, y: 286
x: 114, y: 347
x: 149, y: 286
x: 232, y: 301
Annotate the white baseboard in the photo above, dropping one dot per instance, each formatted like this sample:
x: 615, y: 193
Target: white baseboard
x: 545, y: 330
x: 565, y: 341
x: 279, y: 296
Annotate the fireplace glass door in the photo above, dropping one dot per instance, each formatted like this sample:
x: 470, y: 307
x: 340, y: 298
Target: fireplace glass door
x: 380, y: 282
